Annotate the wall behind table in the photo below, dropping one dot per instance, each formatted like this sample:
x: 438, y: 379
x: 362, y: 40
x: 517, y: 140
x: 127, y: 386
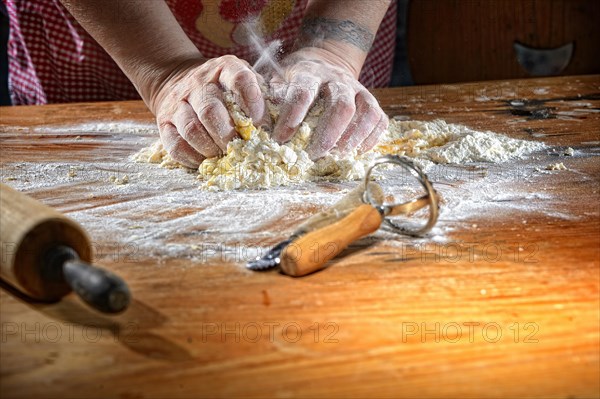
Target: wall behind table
x: 471, y: 40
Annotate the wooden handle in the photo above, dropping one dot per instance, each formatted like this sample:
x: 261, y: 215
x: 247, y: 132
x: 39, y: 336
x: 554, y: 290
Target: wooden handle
x: 99, y: 288
x: 346, y: 205
x: 29, y: 231
x: 312, y: 251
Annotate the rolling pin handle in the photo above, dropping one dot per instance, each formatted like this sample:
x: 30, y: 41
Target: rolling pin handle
x: 99, y: 288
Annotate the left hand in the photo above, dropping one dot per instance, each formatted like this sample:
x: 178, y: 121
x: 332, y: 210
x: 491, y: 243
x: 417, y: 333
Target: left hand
x: 352, y: 117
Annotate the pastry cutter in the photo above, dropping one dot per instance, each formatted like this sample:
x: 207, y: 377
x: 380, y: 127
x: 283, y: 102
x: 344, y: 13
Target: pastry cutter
x: 359, y: 213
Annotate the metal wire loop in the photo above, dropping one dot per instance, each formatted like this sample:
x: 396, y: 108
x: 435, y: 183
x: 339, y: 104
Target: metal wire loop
x: 430, y: 199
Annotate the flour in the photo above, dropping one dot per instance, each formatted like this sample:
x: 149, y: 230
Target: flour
x: 156, y: 153
x: 556, y: 166
x: 260, y: 162
x: 119, y: 181
x: 130, y: 127
x: 443, y: 143
x: 160, y: 214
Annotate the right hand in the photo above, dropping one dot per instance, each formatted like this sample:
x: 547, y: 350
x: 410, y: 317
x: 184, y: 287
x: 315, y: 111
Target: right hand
x: 352, y: 118
x: 192, y: 118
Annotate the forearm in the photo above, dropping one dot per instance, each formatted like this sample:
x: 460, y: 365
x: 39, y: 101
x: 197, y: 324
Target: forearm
x: 346, y: 28
x: 142, y: 36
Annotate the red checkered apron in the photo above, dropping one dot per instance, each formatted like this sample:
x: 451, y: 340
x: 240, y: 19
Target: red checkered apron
x: 52, y: 59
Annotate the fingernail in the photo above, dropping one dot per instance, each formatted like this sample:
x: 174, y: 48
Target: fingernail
x: 276, y: 131
x: 282, y: 132
x: 290, y: 120
x: 294, y: 123
x: 314, y: 153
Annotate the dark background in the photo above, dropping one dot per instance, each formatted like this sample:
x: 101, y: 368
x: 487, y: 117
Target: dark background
x: 449, y: 41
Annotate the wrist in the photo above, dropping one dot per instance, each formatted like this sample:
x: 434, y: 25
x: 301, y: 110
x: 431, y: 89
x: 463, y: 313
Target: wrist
x: 336, y: 54
x: 150, y: 80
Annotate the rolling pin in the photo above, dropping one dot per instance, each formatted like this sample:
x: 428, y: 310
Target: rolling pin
x: 46, y: 255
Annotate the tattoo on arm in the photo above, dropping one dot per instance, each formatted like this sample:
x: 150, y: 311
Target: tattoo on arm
x: 334, y: 29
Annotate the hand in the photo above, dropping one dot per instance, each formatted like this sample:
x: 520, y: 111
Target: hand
x: 193, y: 120
x: 352, y: 117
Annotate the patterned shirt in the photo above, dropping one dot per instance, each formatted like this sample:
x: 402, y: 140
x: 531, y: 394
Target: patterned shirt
x: 52, y: 59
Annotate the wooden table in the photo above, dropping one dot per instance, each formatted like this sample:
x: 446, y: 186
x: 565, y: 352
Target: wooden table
x: 504, y: 304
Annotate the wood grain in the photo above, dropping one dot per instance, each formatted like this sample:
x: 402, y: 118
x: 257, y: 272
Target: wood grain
x: 508, y: 307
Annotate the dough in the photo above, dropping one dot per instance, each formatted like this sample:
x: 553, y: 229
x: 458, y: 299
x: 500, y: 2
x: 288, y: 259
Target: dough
x: 255, y: 161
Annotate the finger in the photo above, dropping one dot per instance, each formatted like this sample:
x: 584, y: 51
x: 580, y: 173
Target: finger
x: 277, y: 89
x: 299, y: 96
x: 211, y: 112
x: 365, y: 119
x: 336, y: 117
x: 191, y: 130
x: 373, y: 138
x: 244, y: 83
x: 178, y: 148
